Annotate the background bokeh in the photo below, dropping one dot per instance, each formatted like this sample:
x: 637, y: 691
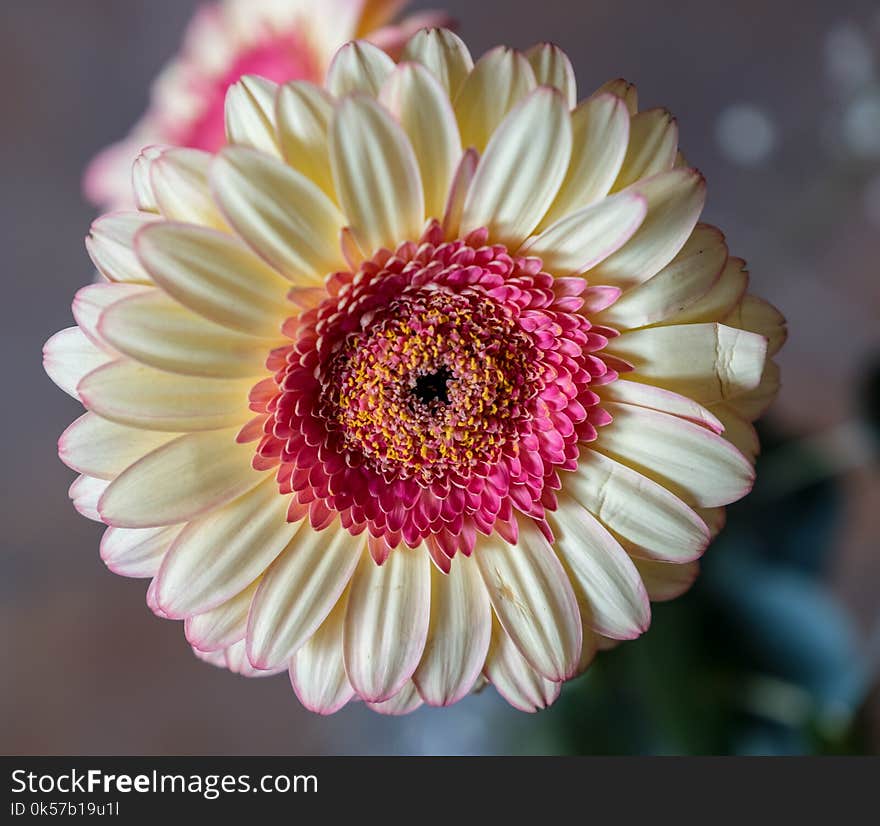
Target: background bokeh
x: 775, y: 651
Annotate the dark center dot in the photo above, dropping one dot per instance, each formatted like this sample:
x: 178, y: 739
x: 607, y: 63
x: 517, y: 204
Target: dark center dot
x: 431, y: 387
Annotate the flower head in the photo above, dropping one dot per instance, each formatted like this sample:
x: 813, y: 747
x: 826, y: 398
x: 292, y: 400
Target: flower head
x: 431, y: 377
x: 279, y: 40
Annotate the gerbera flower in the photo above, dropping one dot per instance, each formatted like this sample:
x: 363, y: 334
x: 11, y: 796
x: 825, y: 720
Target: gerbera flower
x: 432, y: 377
x: 276, y: 39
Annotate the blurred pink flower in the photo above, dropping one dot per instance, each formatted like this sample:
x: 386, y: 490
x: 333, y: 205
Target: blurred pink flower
x: 279, y: 40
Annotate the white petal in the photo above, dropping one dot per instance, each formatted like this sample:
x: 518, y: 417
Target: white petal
x: 514, y: 679
x: 705, y: 362
x: 139, y: 396
x: 298, y: 591
x: 585, y: 238
x: 69, y: 356
x: 458, y: 190
x: 533, y: 600
x: 136, y: 552
x: 418, y: 101
x: 600, y: 132
x: 444, y: 54
x: 280, y: 213
x: 521, y: 169
x: 499, y: 80
x: 738, y: 430
x: 601, y: 570
x: 376, y: 175
x: 553, y: 68
x: 216, y: 276
x: 250, y: 110
x: 680, y: 285
x: 179, y: 178
x: 653, y: 143
x: 157, y: 331
x: 697, y: 465
x: 237, y: 662
x: 141, y: 185
x: 458, y: 635
x: 405, y: 701
x: 85, y: 494
x: 317, y: 670
x: 303, y: 112
x: 358, y: 66
x: 110, y: 245
x: 657, y: 398
x: 753, y: 404
x: 386, y: 622
x: 220, y: 553
x: 638, y: 510
x: 666, y: 580
x: 187, y: 477
x: 222, y: 626
x: 103, y: 449
x: 675, y: 200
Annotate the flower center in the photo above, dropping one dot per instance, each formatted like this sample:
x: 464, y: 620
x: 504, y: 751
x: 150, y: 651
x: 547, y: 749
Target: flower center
x: 433, y: 387
x: 431, y: 393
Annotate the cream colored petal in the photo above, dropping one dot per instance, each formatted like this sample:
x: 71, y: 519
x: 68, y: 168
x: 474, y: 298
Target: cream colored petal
x: 585, y: 238
x: 376, y: 174
x: 533, y: 600
x: 358, y: 66
x: 179, y: 178
x: 142, y: 186
x: 280, y: 213
x: 138, y: 396
x: 638, y: 510
x: 444, y: 54
x: 222, y: 626
x: 103, y: 449
x: 675, y: 200
x: 220, y: 553
x: 600, y: 134
x: 303, y: 112
x: 215, y: 276
x: 317, y: 670
x: 754, y: 403
x: 760, y: 317
x: 521, y: 170
x: 721, y: 298
x: 738, y: 430
x: 136, y: 552
x: 553, y: 68
x: 90, y: 301
x: 386, y: 622
x: 622, y: 89
x: 658, y: 398
x: 514, y: 679
x: 250, y: 110
x: 705, y: 362
x: 157, y: 331
x: 299, y: 590
x: 69, y: 356
x: 458, y: 190
x: 418, y: 101
x: 653, y: 143
x: 681, y: 284
x: 406, y: 701
x: 665, y: 580
x: 85, y: 493
x: 181, y: 480
x: 600, y: 571
x: 499, y: 80
x: 110, y: 245
x: 699, y: 466
x: 458, y: 634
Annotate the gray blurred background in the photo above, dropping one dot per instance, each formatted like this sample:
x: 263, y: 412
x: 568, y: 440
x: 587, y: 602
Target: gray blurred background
x: 778, y: 104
